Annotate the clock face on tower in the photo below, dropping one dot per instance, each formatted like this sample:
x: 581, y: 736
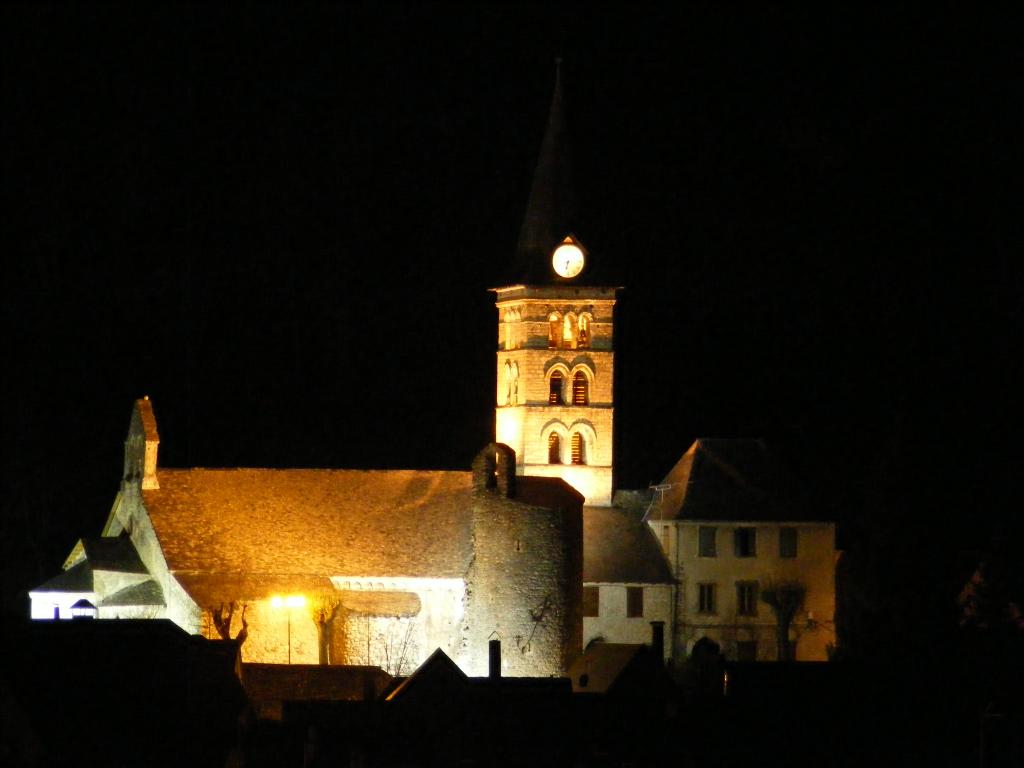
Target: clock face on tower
x: 567, y: 258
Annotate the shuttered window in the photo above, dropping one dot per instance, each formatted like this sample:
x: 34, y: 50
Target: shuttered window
x: 706, y: 543
x: 787, y: 542
x: 591, y: 601
x: 554, y: 449
x: 580, y: 386
x: 555, y: 388
x: 634, y: 602
x: 578, y: 449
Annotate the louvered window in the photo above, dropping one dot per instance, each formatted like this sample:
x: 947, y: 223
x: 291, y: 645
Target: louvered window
x: 578, y: 449
x: 555, y: 389
x: 554, y: 449
x: 580, y: 394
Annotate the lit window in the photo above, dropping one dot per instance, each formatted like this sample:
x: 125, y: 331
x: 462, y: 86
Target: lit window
x: 745, y: 542
x: 580, y: 393
x: 746, y: 598
x: 591, y: 601
x: 569, y: 331
x: 554, y: 329
x: 706, y: 546
x: 584, y: 331
x: 579, y: 455
x: 706, y: 598
x: 555, y: 389
x: 787, y: 542
x: 634, y: 602
x: 554, y: 449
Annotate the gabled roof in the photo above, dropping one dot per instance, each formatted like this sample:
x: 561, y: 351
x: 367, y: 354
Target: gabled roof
x: 728, y: 480
x: 618, y: 547
x: 303, y: 521
x: 77, y: 578
x: 601, y: 664
x: 437, y: 674
x: 291, y: 525
x: 146, y: 593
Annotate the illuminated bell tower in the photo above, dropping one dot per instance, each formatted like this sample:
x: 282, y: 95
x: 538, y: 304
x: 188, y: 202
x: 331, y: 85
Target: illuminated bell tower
x: 555, y: 360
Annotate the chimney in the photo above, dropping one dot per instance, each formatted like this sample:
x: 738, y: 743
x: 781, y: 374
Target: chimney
x: 494, y: 659
x: 658, y: 639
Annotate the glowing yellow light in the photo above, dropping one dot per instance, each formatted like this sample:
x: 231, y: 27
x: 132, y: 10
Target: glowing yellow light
x: 509, y: 429
x: 288, y: 601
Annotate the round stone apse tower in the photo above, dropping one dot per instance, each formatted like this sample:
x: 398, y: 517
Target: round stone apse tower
x: 523, y: 585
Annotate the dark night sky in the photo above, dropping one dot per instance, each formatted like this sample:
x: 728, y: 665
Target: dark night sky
x: 281, y: 224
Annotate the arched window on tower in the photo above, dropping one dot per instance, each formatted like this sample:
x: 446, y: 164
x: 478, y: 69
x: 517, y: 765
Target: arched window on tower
x: 584, y: 331
x: 580, y: 389
x: 569, y: 331
x: 579, y: 454
x: 554, y: 449
x: 554, y: 329
x: 555, y: 389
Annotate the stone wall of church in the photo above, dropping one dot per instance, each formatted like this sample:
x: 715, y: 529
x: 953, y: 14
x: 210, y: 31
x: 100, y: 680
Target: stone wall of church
x: 524, y: 586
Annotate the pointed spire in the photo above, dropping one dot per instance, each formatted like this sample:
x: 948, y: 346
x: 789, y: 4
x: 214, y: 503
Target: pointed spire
x: 551, y: 207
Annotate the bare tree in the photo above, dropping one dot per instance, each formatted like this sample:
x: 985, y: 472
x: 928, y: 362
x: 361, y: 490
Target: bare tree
x: 785, y: 598
x: 221, y: 618
x: 395, y: 645
x: 324, y: 608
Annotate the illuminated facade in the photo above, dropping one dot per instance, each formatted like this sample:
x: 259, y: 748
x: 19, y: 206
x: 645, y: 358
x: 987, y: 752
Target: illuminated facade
x: 731, y: 538
x: 339, y: 566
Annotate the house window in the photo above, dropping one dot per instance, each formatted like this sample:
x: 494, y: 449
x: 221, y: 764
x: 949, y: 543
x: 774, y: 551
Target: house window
x: 591, y: 601
x: 579, y: 455
x: 746, y: 650
x: 634, y: 602
x: 554, y: 449
x: 706, y: 598
x: 580, y: 394
x: 706, y: 545
x: 745, y: 542
x: 746, y: 598
x: 555, y: 388
x: 787, y: 542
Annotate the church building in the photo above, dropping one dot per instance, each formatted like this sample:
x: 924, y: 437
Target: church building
x: 533, y: 545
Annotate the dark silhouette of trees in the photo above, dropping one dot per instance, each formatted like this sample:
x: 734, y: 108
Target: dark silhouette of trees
x: 785, y: 598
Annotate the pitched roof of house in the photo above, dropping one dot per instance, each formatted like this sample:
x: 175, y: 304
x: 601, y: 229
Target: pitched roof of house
x: 618, y: 547
x: 601, y: 665
x: 289, y: 525
x: 722, y: 480
x: 77, y: 578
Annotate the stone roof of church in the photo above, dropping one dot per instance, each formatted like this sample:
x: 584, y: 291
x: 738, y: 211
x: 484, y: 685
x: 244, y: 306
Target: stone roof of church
x: 290, y: 528
x: 729, y: 480
x: 146, y: 593
x: 618, y: 548
x: 77, y: 578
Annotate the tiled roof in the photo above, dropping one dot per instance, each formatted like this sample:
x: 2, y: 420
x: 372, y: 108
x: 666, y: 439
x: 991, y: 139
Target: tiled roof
x: 77, y: 578
x: 721, y: 480
x: 146, y: 593
x: 323, y: 522
x: 618, y: 547
x: 113, y: 553
x: 600, y: 665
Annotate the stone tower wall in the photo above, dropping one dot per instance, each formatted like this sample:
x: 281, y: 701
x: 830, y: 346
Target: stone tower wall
x: 524, y: 584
